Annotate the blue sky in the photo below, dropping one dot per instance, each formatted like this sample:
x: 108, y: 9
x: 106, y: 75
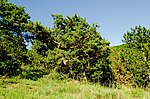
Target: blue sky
x: 115, y: 17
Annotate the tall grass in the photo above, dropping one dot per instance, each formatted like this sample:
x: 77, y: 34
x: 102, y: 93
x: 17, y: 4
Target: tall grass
x: 50, y: 87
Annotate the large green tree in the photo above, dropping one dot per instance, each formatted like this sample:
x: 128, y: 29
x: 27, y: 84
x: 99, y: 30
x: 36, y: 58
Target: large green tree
x: 72, y: 47
x: 12, y: 37
x: 79, y: 51
x: 138, y: 63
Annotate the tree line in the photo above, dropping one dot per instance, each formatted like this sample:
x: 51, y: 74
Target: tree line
x: 72, y: 47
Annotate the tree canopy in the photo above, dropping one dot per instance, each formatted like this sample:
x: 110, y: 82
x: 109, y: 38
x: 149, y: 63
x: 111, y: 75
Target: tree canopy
x: 137, y: 62
x: 139, y: 38
x: 12, y: 36
x: 73, y: 47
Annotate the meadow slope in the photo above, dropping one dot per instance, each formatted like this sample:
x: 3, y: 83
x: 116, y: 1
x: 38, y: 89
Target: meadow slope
x: 50, y: 87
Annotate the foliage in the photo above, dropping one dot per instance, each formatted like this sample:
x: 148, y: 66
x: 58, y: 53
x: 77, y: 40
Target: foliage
x: 139, y: 39
x: 129, y: 66
x: 33, y: 73
x: 12, y: 35
x: 72, y: 47
x: 79, y: 51
x: 40, y: 36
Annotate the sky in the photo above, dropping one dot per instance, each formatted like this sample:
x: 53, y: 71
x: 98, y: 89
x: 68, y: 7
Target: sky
x: 115, y: 17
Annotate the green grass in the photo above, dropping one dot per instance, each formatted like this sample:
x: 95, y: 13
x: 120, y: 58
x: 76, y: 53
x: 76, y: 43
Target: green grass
x: 48, y: 88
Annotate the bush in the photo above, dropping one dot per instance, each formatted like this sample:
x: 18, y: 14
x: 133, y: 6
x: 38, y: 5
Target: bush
x: 130, y: 67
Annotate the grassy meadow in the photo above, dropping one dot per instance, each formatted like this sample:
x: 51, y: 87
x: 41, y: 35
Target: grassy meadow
x: 49, y: 87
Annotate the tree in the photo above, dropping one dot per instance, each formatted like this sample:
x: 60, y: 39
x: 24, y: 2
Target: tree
x: 138, y: 63
x: 79, y: 51
x: 12, y: 37
x: 139, y: 38
x: 73, y: 48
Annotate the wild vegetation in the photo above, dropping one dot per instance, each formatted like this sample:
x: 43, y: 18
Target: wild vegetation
x: 50, y: 87
x: 74, y: 52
